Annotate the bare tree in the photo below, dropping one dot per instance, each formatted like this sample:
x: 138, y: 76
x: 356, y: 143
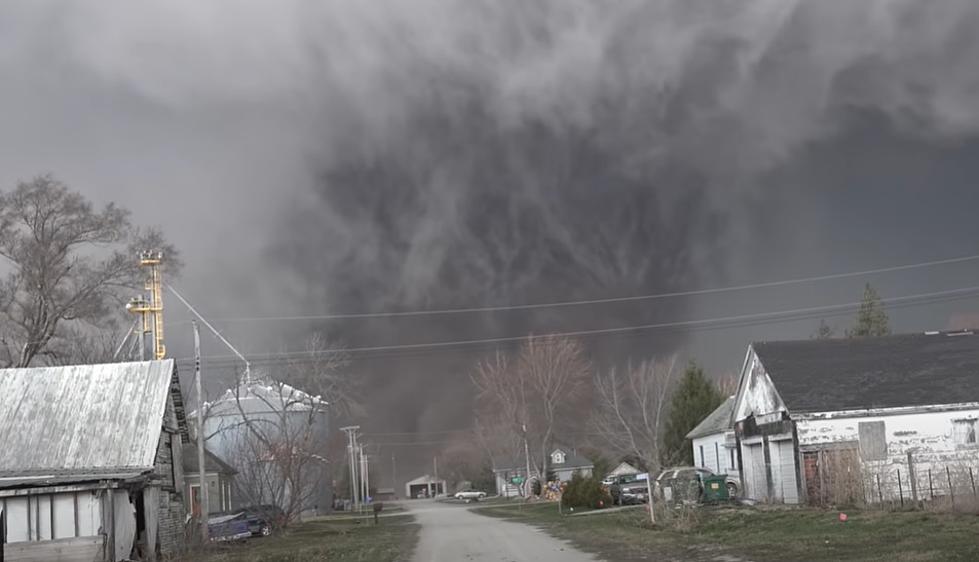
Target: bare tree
x: 557, y: 373
x: 727, y: 384
x: 502, y: 409
x: 529, y: 398
x: 68, y: 265
x: 631, y: 409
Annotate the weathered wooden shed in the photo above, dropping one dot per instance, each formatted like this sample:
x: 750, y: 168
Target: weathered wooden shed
x: 861, y: 419
x: 90, y: 462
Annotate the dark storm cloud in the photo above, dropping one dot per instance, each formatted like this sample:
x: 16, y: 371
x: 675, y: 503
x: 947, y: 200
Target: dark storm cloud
x: 346, y: 156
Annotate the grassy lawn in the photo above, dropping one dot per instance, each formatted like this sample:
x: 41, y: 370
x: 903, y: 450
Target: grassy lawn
x: 392, y: 540
x: 762, y: 534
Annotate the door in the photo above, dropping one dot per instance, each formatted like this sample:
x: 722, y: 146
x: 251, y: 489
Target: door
x: 783, y: 471
x: 755, y: 478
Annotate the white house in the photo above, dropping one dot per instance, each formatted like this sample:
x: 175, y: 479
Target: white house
x: 713, y: 441
x: 878, y: 418
x: 563, y: 462
x: 624, y: 469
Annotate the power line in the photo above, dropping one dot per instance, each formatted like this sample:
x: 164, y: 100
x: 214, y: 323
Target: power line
x: 271, y: 360
x: 633, y: 298
x: 725, y: 321
x: 410, y: 433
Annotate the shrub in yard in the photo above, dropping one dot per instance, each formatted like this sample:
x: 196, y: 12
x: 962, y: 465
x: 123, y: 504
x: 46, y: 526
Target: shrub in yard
x: 585, y: 492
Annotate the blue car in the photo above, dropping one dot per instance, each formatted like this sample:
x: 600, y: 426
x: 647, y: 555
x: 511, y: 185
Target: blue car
x: 228, y: 528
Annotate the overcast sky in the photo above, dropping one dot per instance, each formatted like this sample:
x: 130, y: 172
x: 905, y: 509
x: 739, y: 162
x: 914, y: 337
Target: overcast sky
x: 312, y: 157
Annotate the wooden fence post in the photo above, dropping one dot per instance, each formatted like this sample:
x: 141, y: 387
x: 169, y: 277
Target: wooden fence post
x: 913, y: 478
x: 951, y: 492
x: 972, y: 478
x: 931, y: 488
x: 880, y: 495
x: 900, y: 489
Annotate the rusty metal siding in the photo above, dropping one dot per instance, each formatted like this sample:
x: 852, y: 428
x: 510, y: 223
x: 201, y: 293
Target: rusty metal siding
x: 82, y: 417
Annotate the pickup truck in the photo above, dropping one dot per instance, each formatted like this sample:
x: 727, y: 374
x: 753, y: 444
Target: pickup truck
x: 470, y: 495
x: 629, y: 489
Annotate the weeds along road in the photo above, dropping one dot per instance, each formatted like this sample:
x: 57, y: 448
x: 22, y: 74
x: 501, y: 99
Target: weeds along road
x: 452, y: 533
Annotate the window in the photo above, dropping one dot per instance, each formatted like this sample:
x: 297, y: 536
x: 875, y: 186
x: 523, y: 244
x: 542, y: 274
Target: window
x: 702, y: 463
x: 964, y: 432
x: 733, y: 466
x: 557, y: 457
x: 873, y: 440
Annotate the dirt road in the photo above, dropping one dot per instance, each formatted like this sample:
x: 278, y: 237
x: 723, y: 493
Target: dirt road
x: 452, y: 533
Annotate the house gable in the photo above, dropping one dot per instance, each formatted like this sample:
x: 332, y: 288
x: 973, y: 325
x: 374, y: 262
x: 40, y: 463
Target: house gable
x: 558, y: 457
x: 757, y: 395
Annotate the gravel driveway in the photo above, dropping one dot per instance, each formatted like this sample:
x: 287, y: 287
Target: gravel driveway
x: 452, y: 533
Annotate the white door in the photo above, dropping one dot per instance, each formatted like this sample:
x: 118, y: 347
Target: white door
x: 755, y: 481
x: 774, y: 455
x: 783, y: 471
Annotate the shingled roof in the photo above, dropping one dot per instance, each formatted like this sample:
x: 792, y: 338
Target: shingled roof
x: 885, y: 372
x: 717, y: 421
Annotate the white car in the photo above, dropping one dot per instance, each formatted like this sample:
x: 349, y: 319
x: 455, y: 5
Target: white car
x: 470, y: 495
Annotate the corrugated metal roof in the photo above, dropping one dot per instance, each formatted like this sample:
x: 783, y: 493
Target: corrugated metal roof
x: 82, y: 417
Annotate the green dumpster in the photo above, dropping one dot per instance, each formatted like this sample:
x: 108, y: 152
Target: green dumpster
x: 715, y: 488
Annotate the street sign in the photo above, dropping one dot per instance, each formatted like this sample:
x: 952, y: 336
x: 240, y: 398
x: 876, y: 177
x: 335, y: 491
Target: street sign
x: 517, y: 480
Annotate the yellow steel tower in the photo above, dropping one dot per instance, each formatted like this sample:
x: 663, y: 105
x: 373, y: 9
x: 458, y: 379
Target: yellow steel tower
x: 152, y: 311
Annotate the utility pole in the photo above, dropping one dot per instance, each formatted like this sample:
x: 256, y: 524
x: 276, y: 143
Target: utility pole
x: 367, y: 476
x: 394, y: 475
x: 351, y: 441
x: 201, y: 474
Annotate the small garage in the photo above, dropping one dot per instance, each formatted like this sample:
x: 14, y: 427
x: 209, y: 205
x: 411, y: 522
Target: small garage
x: 424, y: 487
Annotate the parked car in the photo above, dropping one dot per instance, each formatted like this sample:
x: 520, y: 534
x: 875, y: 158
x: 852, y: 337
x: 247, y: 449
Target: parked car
x: 255, y: 521
x: 686, y: 483
x: 629, y: 489
x: 470, y: 495
x: 228, y: 527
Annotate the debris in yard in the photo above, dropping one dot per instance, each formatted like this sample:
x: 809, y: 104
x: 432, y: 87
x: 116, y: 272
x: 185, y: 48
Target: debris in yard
x: 843, y: 517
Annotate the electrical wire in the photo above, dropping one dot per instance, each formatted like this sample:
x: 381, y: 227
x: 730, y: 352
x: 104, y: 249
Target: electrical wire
x: 611, y: 300
x: 725, y: 321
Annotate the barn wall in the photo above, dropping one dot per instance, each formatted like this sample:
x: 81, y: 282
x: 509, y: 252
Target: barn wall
x: 930, y: 436
x: 81, y: 549
x: 42, y: 527
x: 170, y: 511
